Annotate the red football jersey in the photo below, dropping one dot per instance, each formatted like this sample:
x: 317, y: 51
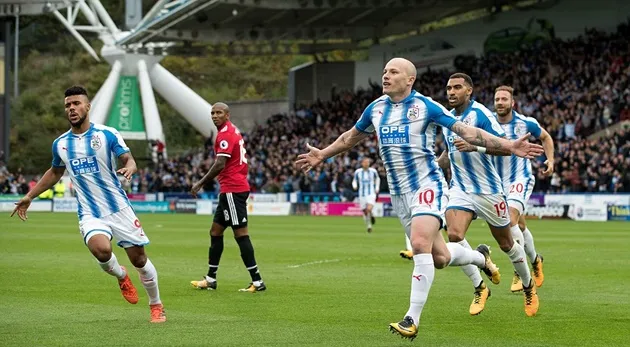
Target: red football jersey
x: 229, y: 143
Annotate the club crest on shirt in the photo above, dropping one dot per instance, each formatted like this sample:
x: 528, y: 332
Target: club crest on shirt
x: 95, y: 142
x: 413, y: 113
x: 468, y: 120
x: 520, y: 129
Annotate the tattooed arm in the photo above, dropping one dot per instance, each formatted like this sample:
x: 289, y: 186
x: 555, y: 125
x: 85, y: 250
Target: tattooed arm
x: 464, y: 146
x: 481, y: 138
x: 521, y: 147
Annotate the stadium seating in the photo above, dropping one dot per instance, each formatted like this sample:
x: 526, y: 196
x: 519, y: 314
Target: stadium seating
x: 574, y: 88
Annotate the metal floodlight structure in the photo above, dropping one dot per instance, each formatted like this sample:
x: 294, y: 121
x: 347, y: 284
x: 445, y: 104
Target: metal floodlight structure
x: 133, y: 77
x: 126, y: 100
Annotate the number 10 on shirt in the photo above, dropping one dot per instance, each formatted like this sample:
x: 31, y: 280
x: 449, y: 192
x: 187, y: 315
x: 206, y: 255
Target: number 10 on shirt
x: 426, y: 197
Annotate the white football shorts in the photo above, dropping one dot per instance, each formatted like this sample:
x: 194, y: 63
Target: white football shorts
x: 430, y: 200
x: 518, y: 193
x: 122, y: 225
x: 368, y: 199
x: 492, y: 208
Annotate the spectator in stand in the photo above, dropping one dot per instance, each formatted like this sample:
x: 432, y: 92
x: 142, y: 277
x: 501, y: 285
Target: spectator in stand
x: 33, y: 182
x: 5, y: 185
x: 574, y: 89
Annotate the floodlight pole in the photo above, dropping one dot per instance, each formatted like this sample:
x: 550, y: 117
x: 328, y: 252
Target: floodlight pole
x: 16, y: 56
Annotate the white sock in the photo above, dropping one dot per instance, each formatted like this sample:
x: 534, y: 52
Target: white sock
x: 517, y: 234
x: 407, y: 242
x: 113, y: 268
x: 461, y: 255
x: 530, y: 250
x: 421, y: 280
x: 517, y: 256
x: 149, y: 279
x: 472, y: 271
x: 369, y: 219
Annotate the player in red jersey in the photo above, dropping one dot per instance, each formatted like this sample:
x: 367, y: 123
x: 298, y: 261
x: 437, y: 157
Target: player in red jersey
x: 230, y: 167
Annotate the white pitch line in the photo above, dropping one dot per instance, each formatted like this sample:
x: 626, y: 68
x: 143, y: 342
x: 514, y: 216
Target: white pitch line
x: 315, y: 263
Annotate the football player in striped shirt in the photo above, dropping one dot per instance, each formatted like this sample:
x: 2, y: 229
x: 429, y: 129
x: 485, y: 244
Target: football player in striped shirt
x: 89, y: 152
x: 366, y: 182
x: 518, y: 178
x: 406, y: 123
x: 477, y: 190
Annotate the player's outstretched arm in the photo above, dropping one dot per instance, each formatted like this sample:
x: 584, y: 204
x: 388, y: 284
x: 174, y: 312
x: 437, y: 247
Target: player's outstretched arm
x: 547, y: 142
x: 129, y: 165
x: 343, y: 143
x: 464, y: 146
x: 217, y: 167
x: 49, y: 179
x: 479, y: 137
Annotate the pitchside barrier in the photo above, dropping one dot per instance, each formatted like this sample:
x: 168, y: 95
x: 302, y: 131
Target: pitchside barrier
x: 579, y: 207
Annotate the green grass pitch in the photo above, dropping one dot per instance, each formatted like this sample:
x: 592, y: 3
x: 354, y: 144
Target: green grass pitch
x: 329, y: 284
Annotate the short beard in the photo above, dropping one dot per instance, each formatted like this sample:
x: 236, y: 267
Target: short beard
x: 507, y: 111
x: 78, y: 123
x: 457, y: 104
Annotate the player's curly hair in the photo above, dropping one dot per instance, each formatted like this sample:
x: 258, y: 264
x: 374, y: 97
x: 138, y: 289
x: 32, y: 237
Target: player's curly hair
x: 76, y: 90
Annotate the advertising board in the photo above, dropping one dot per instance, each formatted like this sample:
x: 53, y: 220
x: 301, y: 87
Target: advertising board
x: 619, y: 212
x: 255, y: 208
x: 65, y: 205
x: 343, y: 209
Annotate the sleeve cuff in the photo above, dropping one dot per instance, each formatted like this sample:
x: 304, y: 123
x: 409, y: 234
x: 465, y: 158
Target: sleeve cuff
x: 224, y: 155
x: 119, y: 153
x: 362, y: 130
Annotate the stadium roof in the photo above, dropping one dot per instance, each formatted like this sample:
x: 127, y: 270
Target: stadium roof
x: 319, y: 25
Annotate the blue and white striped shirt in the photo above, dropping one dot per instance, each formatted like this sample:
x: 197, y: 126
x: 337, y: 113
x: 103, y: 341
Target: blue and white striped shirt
x: 474, y: 172
x: 512, y: 168
x: 90, y: 159
x: 406, y: 132
x: 366, y: 181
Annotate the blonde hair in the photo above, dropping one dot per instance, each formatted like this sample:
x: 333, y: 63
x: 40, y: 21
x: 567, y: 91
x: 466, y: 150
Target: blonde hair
x: 505, y: 88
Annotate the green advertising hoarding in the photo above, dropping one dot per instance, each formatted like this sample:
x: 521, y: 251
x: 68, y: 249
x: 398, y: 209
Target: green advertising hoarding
x: 125, y: 114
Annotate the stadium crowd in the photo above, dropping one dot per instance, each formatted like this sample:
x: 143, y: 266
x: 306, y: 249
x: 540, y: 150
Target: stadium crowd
x: 574, y: 88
